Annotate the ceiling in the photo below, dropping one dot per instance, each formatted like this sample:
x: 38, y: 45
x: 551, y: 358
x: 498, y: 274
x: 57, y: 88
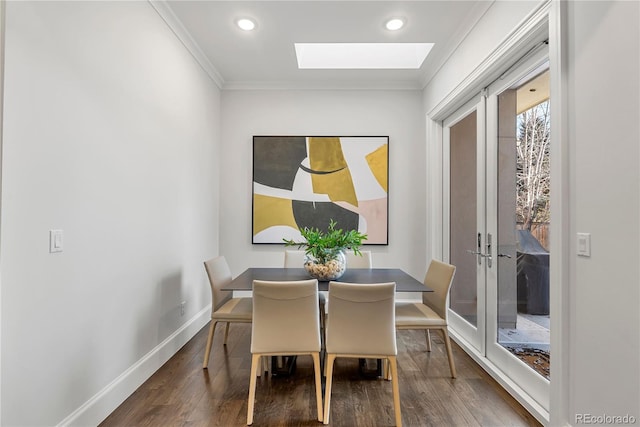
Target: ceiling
x: 265, y: 57
x: 533, y: 92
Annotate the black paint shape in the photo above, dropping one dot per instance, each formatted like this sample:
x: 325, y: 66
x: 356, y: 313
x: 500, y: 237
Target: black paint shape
x: 319, y: 214
x: 276, y: 160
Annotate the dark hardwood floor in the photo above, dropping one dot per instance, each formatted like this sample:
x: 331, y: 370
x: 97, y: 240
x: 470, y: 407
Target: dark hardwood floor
x: 181, y: 393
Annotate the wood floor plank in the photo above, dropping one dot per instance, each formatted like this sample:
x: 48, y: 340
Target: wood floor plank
x: 181, y: 393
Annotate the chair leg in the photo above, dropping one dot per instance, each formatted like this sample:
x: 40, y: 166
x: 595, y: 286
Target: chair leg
x: 260, y: 367
x: 447, y: 343
x: 322, y: 316
x: 226, y: 333
x: 324, y: 370
x: 255, y: 362
x: 327, y: 388
x: 396, y: 389
x: 316, y: 368
x: 386, y: 369
x: 322, y: 326
x: 428, y: 339
x: 207, y: 351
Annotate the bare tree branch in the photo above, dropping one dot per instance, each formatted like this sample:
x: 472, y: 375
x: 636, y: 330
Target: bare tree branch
x: 532, y: 176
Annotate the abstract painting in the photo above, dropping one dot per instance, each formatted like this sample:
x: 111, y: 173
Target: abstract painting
x: 307, y: 181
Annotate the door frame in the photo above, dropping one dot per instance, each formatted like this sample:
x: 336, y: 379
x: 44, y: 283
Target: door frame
x: 2, y: 47
x: 537, y: 387
x: 547, y: 22
x: 482, y: 336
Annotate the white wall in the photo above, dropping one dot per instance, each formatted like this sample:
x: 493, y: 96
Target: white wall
x: 602, y: 103
x: 397, y: 114
x: 111, y: 133
x: 500, y: 20
x: 603, y: 42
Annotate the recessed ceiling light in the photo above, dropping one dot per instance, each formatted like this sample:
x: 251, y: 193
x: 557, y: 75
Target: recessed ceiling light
x: 246, y: 24
x: 394, y: 24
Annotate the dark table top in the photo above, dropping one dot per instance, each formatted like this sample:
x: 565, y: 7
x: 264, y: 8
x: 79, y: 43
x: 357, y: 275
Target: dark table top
x: 404, y: 282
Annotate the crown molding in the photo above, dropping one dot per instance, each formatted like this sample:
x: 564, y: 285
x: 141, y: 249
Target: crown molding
x: 322, y: 85
x: 526, y: 36
x: 166, y: 13
x: 478, y: 10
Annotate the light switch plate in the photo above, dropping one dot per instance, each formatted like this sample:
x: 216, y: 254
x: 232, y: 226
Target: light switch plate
x: 55, y: 241
x: 584, y: 244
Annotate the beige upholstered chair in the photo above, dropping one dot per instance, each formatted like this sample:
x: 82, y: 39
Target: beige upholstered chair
x: 295, y: 259
x: 357, y: 261
x: 432, y: 312
x: 285, y: 322
x: 361, y: 324
x: 224, y: 308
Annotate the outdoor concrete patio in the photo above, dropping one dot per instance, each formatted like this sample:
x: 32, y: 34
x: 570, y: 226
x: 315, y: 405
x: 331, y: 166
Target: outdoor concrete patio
x: 531, y: 331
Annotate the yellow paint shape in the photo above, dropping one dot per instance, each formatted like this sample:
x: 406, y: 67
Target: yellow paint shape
x: 325, y: 155
x: 271, y: 211
x: 338, y: 186
x: 377, y: 161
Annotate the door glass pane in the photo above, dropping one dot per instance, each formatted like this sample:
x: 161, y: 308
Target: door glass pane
x: 523, y: 222
x: 463, y: 214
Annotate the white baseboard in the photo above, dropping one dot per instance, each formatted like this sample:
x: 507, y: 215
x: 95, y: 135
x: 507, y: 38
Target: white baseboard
x: 96, y: 409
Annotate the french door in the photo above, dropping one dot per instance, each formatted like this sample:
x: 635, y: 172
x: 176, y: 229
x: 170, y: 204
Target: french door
x: 488, y: 219
x: 464, y: 151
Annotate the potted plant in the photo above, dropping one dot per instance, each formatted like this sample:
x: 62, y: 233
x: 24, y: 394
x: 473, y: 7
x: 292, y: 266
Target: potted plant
x: 324, y: 250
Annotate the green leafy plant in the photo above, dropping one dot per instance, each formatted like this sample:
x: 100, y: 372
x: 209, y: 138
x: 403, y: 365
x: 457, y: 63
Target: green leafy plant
x: 324, y: 246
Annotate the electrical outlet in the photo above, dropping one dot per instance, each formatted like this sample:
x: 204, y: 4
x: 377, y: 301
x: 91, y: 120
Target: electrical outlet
x: 182, y: 304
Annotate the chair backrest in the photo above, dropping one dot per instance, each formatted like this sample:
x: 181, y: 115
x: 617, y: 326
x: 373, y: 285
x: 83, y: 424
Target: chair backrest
x: 293, y: 259
x: 439, y: 278
x: 361, y: 319
x: 219, y: 275
x: 285, y: 316
x: 357, y: 261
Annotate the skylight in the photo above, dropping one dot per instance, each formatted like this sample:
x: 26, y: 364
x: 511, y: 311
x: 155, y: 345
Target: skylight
x: 361, y: 55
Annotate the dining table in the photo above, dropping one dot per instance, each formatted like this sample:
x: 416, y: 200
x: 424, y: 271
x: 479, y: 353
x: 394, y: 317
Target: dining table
x: 404, y: 281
